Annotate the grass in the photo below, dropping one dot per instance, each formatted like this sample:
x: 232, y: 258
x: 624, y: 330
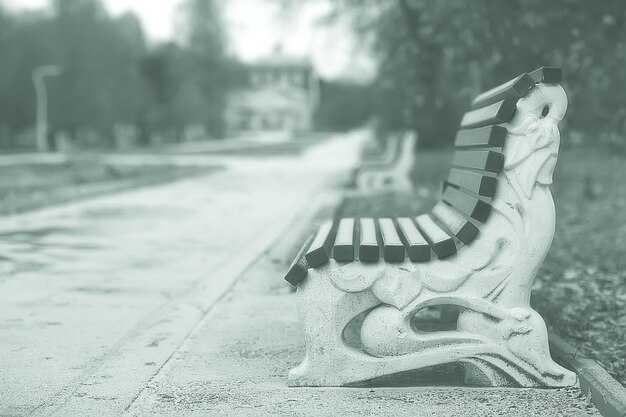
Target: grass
x: 581, y: 288
x: 30, y: 186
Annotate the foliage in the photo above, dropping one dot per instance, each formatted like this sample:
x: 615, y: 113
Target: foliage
x: 343, y: 106
x: 100, y: 84
x: 435, y: 56
x: 111, y: 75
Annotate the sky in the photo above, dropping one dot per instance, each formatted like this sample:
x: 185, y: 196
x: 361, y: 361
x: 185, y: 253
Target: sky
x: 255, y: 28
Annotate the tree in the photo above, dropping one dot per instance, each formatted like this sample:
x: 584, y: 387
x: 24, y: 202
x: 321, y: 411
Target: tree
x: 101, y: 83
x: 210, y: 74
x: 435, y: 56
x: 343, y: 106
x: 110, y: 75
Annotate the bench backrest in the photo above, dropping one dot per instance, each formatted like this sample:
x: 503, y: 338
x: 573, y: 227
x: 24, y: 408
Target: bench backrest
x: 479, y: 158
x: 466, y: 200
x: 385, y: 153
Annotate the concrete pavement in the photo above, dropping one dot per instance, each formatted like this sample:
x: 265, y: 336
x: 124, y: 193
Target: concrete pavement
x: 96, y: 296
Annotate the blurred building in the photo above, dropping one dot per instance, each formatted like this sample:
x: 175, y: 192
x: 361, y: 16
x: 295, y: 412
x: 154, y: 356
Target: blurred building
x: 281, y: 95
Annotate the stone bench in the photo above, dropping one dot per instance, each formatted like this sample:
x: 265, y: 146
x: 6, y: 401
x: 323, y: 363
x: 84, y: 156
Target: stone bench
x: 389, y: 168
x: 479, y: 248
x: 374, y: 150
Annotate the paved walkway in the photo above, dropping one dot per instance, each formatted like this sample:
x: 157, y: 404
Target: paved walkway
x: 95, y: 297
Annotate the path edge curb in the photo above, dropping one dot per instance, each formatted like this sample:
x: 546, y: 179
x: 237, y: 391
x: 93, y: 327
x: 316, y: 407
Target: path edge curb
x: 608, y: 395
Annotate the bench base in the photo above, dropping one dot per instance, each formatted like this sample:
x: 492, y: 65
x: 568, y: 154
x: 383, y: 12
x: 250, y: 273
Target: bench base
x: 510, y: 347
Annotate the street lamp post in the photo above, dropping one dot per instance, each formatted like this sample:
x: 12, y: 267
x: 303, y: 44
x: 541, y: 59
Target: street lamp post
x: 41, y: 95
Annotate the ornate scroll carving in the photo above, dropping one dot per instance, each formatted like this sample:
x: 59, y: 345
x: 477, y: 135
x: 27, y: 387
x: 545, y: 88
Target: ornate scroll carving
x: 499, y: 337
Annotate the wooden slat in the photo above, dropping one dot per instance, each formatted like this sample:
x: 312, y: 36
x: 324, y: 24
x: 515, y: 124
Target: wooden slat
x: 368, y: 243
x: 471, y: 206
x: 442, y: 244
x: 344, y: 242
x: 298, y: 269
x: 489, y: 161
x: 511, y: 90
x: 549, y: 75
x: 416, y: 245
x: 493, y: 114
x: 393, y: 249
x: 457, y: 224
x: 319, y: 252
x: 483, y: 136
x: 475, y: 182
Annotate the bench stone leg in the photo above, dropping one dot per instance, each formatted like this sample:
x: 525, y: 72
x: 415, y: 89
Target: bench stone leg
x: 524, y: 335
x: 499, y: 345
x: 324, y: 312
x: 480, y: 374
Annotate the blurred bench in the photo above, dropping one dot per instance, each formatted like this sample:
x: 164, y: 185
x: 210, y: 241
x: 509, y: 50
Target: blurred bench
x: 479, y: 248
x: 373, y: 148
x: 390, y: 169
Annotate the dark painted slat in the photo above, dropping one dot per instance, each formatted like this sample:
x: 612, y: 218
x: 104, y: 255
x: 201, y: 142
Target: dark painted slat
x: 369, y: 251
x: 416, y: 245
x: 493, y: 114
x: 456, y: 223
x: 298, y: 269
x: 393, y: 249
x: 511, y: 90
x: 471, y: 206
x: 319, y: 252
x: 442, y: 243
x: 344, y: 242
x: 475, y: 182
x: 483, y: 136
x: 489, y: 161
x: 548, y: 75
